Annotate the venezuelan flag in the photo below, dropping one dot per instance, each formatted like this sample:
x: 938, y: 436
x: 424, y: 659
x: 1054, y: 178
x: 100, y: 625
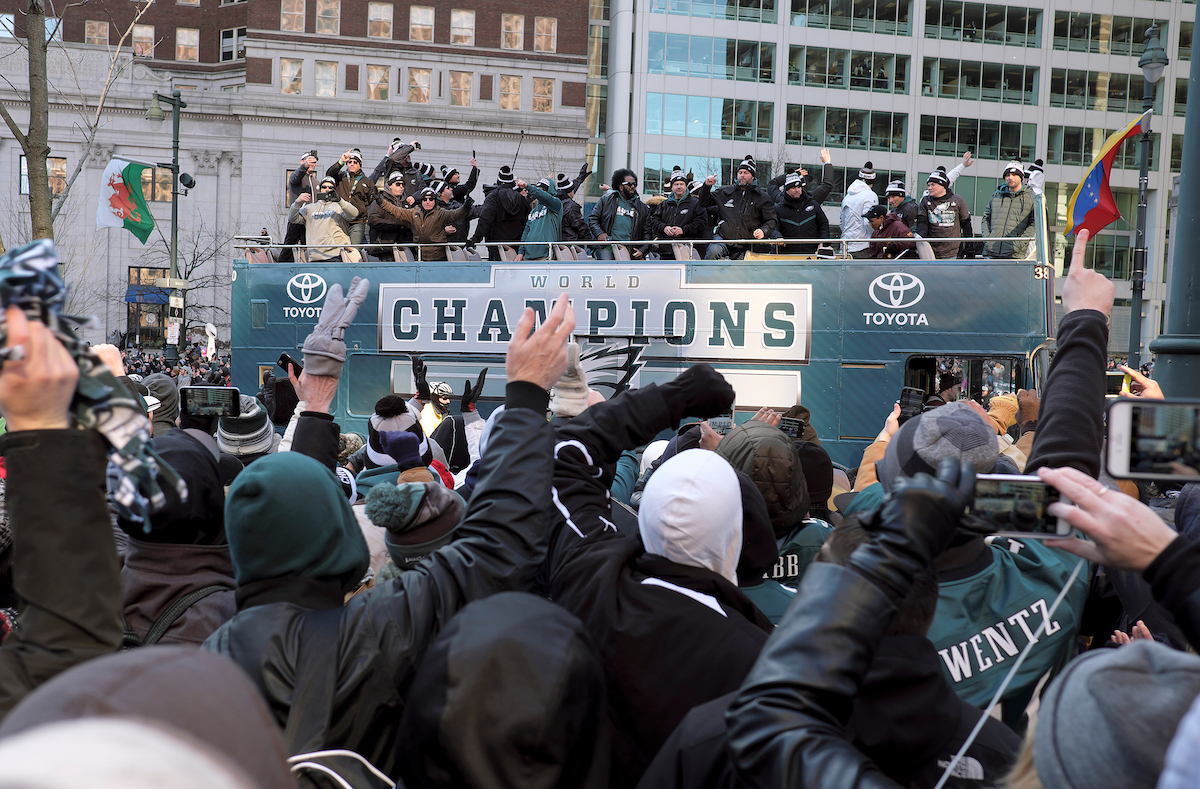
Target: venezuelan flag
x: 1092, y: 207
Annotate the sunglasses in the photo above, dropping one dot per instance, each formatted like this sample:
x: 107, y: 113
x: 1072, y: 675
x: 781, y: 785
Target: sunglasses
x: 629, y: 183
x: 428, y: 200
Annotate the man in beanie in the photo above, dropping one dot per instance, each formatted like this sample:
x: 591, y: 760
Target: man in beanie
x: 889, y: 226
x: 453, y: 178
x: 620, y: 215
x: 352, y: 184
x: 385, y: 227
x: 502, y: 217
x: 326, y: 218
x: 298, y: 549
x: 250, y: 435
x: 902, y: 205
x: 799, y: 211
x: 543, y: 226
x: 677, y: 218
x: 1009, y: 213
x: 399, y: 159
x: 743, y: 211
x: 574, y: 226
x: 943, y: 214
x: 304, y: 180
x: 859, y: 197
x: 429, y: 221
x: 417, y: 518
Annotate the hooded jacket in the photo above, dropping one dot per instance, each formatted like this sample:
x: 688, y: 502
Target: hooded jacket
x: 803, y: 218
x: 511, y: 693
x: 325, y: 223
x: 163, y: 387
x: 671, y: 635
x: 1008, y: 213
x: 739, y: 210
x: 502, y: 217
x: 543, y: 226
x: 357, y: 189
x: 384, y: 631
x: 893, y: 227
x: 767, y: 455
x: 428, y: 227
x: 859, y: 197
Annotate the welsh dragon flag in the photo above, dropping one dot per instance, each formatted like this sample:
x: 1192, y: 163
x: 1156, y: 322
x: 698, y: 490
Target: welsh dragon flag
x: 121, y: 200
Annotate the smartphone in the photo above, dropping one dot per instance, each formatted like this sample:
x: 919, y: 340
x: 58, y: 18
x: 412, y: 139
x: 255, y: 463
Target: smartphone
x: 792, y: 426
x: 210, y: 401
x: 287, y: 362
x: 1154, y: 439
x: 1019, y: 504
x: 912, y: 402
x: 722, y: 423
x: 1113, y: 381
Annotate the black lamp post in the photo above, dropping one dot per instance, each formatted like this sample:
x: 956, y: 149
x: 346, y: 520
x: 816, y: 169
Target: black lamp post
x: 1152, y: 62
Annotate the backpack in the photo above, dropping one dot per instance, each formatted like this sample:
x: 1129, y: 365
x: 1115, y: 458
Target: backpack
x: 161, y: 625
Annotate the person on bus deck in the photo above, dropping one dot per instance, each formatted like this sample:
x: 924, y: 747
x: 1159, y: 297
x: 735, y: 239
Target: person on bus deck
x: 325, y: 217
x: 428, y: 220
x: 891, y: 226
x: 502, y: 217
x: 799, y: 211
x: 943, y: 214
x: 678, y: 217
x: 574, y: 226
x: 383, y: 227
x: 902, y: 205
x: 743, y: 211
x: 353, y: 185
x: 859, y: 197
x: 543, y: 226
x: 620, y: 215
x: 1009, y: 213
x: 303, y: 179
x: 453, y: 178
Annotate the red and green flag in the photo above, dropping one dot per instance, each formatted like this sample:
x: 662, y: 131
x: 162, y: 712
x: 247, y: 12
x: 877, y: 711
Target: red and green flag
x: 121, y: 200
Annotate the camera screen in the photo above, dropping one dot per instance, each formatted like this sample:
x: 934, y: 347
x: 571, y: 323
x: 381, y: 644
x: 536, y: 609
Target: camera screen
x: 1017, y: 503
x: 723, y: 423
x: 791, y: 426
x: 1164, y: 438
x: 210, y: 400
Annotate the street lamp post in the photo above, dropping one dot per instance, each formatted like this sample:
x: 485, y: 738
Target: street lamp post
x: 155, y: 116
x: 1152, y: 62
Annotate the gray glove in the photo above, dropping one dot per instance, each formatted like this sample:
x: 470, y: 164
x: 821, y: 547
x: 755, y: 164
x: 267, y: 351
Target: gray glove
x: 324, y: 349
x: 570, y: 395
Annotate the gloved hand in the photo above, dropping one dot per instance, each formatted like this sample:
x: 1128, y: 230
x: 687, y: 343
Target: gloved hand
x: 915, y: 524
x: 419, y: 372
x: 570, y: 394
x: 698, y: 391
x: 1027, y: 407
x: 324, y: 348
x: 470, y: 395
x: 584, y: 172
x: 1003, y: 411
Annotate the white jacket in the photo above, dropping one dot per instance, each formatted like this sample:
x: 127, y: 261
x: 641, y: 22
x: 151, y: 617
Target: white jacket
x: 859, y: 197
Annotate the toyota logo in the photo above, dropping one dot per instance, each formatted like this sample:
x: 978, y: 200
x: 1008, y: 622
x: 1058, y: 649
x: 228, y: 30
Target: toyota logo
x: 306, y: 288
x: 898, y: 289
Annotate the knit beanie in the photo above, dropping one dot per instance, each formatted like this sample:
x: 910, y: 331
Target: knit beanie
x: 678, y: 175
x: 427, y: 171
x: 402, y: 447
x: 1107, y: 720
x: 1036, y: 167
x: 793, y: 179
x: 1014, y: 167
x: 818, y: 473
x: 250, y: 433
x: 867, y: 173
x: 562, y: 183
x: 570, y: 393
x: 287, y: 515
x: 505, y: 178
x: 447, y: 174
x: 939, y: 176
x: 392, y: 413
x: 895, y: 188
x: 419, y: 518
x: 955, y: 430
x: 748, y: 165
x: 543, y: 184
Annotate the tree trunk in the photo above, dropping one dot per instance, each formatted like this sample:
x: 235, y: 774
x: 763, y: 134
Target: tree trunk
x: 37, y: 140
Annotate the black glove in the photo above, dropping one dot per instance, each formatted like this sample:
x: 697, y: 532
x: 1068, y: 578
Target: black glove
x: 419, y: 372
x: 698, y: 391
x: 915, y: 524
x: 471, y: 394
x: 584, y: 172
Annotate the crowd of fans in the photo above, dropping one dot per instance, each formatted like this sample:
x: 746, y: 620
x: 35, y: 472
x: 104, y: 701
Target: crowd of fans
x: 404, y: 203
x: 574, y: 592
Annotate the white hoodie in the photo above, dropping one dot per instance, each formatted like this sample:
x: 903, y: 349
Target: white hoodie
x: 691, y: 513
x: 859, y: 197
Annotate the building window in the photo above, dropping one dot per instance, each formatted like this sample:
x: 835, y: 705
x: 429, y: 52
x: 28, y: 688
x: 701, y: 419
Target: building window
x: 712, y: 58
x: 1101, y: 33
x: 7, y: 26
x: 418, y: 85
x: 1181, y: 92
x: 975, y: 81
x: 510, y: 92
x: 990, y: 23
x: 325, y: 78
x: 1099, y: 90
x: 291, y: 15
x: 187, y: 44
x: 716, y: 119
x: 377, y: 82
x: 291, y: 75
x: 880, y: 72
x: 143, y: 41
x: 379, y: 20
x: 460, y: 89
x: 745, y: 10
x: 988, y: 139
x: 420, y: 23
x: 187, y: 2
x: 1185, y: 40
x: 96, y: 32
x: 233, y: 44
x: 329, y: 13
x: 56, y: 167
x: 462, y: 27
x: 545, y: 34
x: 841, y: 128
x: 543, y: 94
x: 1077, y: 145
x: 512, y: 35
x: 156, y: 184
x: 54, y: 30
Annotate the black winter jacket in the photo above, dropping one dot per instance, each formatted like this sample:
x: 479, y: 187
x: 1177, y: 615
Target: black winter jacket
x: 804, y: 218
x: 574, y: 226
x: 740, y: 211
x: 502, y: 217
x: 465, y: 188
x: 907, y: 211
x: 685, y: 213
x: 357, y: 192
x: 664, y: 650
x: 385, y: 630
x: 400, y: 159
x: 604, y: 213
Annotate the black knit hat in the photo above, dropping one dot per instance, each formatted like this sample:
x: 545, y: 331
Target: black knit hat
x: 448, y: 174
x: 748, y: 165
x: 677, y: 175
x: 939, y: 176
x: 505, y: 178
x: 867, y: 173
x: 562, y: 183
